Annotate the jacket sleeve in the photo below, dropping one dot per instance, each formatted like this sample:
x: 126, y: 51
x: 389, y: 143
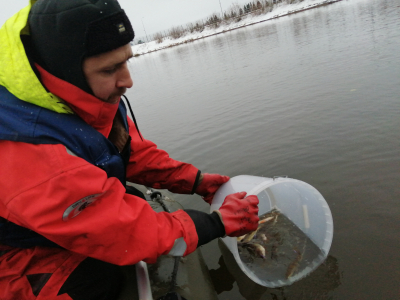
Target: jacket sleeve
x: 153, y: 167
x: 75, y: 205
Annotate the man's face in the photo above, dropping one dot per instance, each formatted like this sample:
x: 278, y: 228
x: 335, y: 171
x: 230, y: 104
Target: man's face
x: 108, y: 75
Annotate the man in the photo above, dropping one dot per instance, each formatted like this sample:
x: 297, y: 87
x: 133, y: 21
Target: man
x: 68, y: 148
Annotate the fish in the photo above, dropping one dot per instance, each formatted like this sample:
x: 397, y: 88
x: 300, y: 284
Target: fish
x: 276, y: 219
x: 294, y: 265
x: 265, y: 220
x: 263, y: 237
x: 256, y: 248
x: 240, y: 238
x: 250, y: 235
x: 247, y: 238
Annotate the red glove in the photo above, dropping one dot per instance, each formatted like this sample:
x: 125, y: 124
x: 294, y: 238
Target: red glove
x: 209, y: 185
x: 239, y: 214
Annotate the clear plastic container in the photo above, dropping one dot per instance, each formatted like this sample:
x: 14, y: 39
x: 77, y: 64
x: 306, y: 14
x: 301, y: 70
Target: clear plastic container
x: 301, y: 203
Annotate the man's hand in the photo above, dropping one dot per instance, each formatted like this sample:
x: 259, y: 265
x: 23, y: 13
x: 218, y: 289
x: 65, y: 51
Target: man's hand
x: 209, y: 184
x: 239, y: 214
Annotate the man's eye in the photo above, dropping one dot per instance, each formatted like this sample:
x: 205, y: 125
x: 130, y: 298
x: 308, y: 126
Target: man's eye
x: 110, y: 71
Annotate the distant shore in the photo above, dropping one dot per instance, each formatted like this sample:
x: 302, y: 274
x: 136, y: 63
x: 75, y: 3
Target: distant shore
x: 279, y: 11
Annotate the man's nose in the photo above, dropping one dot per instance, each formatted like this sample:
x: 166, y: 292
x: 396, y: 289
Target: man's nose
x: 124, y: 79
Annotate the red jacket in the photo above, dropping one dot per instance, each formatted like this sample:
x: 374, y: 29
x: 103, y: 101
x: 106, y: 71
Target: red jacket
x: 41, y: 182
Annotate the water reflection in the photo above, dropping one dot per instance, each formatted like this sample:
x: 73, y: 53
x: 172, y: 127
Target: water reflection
x: 317, y: 285
x: 270, y: 31
x: 316, y: 98
x: 241, y: 36
x: 164, y: 56
x: 202, y: 46
x: 301, y: 31
x: 182, y: 51
x: 218, y: 42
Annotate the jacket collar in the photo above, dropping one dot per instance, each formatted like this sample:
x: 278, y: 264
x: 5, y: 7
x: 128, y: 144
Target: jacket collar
x: 93, y: 111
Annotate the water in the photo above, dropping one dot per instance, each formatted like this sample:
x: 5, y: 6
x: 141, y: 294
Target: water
x: 279, y: 250
x: 315, y: 96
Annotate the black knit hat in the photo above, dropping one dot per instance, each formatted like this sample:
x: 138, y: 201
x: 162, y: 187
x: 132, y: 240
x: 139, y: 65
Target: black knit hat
x: 64, y: 32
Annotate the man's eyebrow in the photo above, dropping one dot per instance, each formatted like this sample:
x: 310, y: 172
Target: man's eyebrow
x: 124, y: 61
x: 118, y: 63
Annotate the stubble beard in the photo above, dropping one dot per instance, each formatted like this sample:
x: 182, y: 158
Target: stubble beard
x: 114, y: 97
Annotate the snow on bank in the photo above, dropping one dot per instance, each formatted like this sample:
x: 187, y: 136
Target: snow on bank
x: 279, y: 10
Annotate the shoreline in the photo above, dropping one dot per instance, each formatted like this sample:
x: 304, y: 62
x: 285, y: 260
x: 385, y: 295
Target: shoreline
x: 153, y: 46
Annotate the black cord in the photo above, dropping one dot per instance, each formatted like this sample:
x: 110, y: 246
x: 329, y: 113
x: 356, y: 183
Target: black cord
x: 133, y: 116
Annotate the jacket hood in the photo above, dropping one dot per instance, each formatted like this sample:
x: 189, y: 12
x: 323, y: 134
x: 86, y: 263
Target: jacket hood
x: 16, y: 73
x: 65, y: 32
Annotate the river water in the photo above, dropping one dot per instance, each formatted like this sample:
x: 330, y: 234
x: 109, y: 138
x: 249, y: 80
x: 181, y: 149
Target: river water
x: 315, y: 96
